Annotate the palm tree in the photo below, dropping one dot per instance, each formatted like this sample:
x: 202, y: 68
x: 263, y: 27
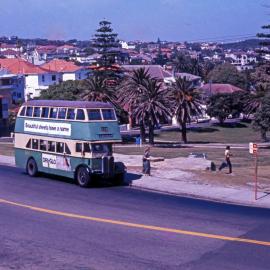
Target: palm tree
x: 97, y: 89
x: 153, y: 105
x: 186, y: 102
x: 255, y: 98
x: 182, y: 63
x: 130, y: 91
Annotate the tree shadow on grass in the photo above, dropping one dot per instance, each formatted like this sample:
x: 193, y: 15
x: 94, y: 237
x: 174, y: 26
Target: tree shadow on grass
x: 231, y: 125
x: 203, y: 130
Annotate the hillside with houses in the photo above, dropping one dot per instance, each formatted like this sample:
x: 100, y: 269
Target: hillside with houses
x: 29, y: 68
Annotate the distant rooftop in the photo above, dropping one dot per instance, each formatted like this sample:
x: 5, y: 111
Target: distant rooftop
x: 220, y: 88
x: 21, y: 66
x: 155, y: 71
x: 59, y: 65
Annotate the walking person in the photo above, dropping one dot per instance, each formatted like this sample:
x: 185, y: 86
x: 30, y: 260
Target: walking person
x: 146, y: 162
x: 227, y: 162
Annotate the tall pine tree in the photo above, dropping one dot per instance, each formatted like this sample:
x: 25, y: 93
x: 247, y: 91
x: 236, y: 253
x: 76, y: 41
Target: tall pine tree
x: 266, y: 39
x: 106, y: 43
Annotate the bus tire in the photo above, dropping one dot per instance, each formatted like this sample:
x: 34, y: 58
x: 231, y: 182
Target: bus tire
x: 83, y: 176
x: 119, y: 179
x: 31, y: 167
x: 120, y: 174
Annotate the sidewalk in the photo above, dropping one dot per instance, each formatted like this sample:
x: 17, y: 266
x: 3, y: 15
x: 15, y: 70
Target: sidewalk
x: 182, y: 183
x: 239, y: 196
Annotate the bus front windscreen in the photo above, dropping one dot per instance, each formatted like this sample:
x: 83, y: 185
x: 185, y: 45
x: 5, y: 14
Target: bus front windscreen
x: 102, y: 148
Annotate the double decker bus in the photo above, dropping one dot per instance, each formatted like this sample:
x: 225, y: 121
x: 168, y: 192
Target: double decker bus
x: 68, y: 138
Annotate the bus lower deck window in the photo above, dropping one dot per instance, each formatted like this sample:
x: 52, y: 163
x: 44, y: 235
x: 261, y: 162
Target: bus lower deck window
x: 60, y: 147
x: 43, y: 145
x: 28, y: 145
x: 78, y: 147
x: 67, y: 150
x: 45, y: 112
x: 51, y: 146
x: 86, y: 147
x: 34, y: 144
x: 80, y: 114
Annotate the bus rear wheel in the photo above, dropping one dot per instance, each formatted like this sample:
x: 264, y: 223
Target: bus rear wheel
x: 31, y: 167
x: 83, y: 177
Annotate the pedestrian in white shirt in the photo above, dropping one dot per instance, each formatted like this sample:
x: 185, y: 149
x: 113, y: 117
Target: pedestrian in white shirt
x: 227, y: 162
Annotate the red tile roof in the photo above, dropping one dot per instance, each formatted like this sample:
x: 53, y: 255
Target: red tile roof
x: 46, y: 49
x: 59, y: 65
x: 66, y: 46
x: 21, y: 66
x: 220, y: 88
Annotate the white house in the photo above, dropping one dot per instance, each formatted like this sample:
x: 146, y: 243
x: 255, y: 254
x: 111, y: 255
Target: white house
x: 14, y: 47
x: 67, y: 70
x: 33, y: 78
x: 127, y: 46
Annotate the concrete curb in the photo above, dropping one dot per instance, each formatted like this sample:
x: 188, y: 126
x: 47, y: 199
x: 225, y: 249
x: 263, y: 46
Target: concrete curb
x: 199, y: 197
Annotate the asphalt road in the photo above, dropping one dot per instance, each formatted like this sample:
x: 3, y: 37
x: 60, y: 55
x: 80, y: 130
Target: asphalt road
x: 122, y: 228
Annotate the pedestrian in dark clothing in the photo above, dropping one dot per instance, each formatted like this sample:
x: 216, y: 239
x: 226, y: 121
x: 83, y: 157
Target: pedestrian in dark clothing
x: 227, y: 162
x: 146, y: 162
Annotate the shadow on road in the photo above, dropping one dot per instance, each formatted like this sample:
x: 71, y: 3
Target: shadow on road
x: 98, y: 182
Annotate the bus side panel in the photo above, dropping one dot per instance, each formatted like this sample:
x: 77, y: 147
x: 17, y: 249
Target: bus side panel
x: 75, y: 162
x: 22, y: 156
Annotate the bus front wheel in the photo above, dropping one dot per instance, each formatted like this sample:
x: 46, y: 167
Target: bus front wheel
x: 31, y: 167
x: 83, y: 176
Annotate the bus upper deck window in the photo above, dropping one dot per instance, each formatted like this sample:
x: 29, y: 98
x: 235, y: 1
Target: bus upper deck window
x: 45, y: 112
x: 51, y: 146
x: 60, y: 147
x: 62, y: 113
x: 80, y: 114
x: 36, y: 112
x: 53, y: 113
x: 94, y: 114
x: 34, y: 144
x: 22, y: 113
x: 29, y: 111
x: 108, y: 114
x: 71, y: 114
x: 43, y: 145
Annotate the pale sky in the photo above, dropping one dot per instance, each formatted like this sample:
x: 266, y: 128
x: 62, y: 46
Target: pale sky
x: 173, y: 20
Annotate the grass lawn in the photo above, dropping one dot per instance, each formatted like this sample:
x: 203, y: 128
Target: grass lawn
x: 243, y: 162
x: 230, y: 133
